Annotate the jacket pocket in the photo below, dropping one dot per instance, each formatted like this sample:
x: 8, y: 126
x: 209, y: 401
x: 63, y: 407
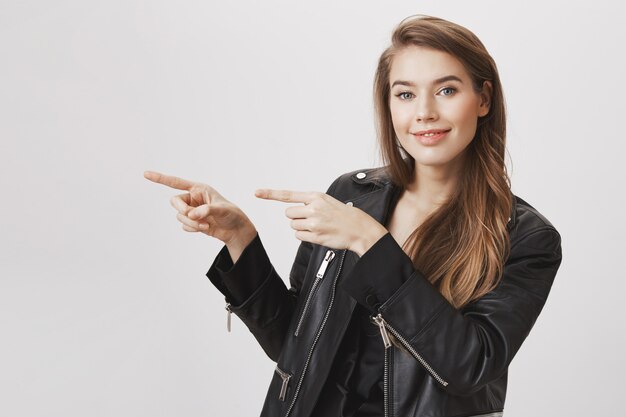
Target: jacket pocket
x: 283, y: 378
x: 321, y: 272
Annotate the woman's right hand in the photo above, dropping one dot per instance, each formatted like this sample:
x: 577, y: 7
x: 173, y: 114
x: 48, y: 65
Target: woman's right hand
x: 203, y: 209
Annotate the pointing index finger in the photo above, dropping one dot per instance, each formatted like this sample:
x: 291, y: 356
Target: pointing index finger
x: 169, y: 180
x: 287, y: 196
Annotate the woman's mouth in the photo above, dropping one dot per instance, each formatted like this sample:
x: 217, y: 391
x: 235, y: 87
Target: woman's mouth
x: 431, y: 138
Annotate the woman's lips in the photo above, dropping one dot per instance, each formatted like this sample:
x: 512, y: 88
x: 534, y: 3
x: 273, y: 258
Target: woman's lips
x: 431, y: 140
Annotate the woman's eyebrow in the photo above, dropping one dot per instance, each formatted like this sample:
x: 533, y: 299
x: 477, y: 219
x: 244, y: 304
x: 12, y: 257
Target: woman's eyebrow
x: 437, y: 81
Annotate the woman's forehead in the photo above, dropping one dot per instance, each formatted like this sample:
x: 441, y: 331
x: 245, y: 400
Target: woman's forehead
x: 425, y: 66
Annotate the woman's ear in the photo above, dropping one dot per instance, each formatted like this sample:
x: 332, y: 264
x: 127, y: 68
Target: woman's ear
x: 485, y: 98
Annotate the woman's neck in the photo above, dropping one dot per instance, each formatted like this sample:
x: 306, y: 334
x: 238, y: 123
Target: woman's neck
x: 432, y: 185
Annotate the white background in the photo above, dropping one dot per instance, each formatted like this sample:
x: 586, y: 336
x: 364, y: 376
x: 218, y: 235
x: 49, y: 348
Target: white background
x: 104, y: 306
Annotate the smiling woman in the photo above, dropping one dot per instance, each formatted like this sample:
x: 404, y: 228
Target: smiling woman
x: 415, y: 283
x: 446, y: 107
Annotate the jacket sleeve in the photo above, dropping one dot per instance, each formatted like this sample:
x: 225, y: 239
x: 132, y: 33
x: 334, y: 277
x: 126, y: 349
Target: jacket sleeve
x: 468, y: 348
x: 257, y: 294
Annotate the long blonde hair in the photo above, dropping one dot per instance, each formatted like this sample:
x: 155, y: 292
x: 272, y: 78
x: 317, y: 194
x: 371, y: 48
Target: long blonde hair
x: 461, y: 247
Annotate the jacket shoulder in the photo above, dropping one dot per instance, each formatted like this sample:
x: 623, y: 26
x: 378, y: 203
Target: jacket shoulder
x: 359, y: 180
x: 528, y: 220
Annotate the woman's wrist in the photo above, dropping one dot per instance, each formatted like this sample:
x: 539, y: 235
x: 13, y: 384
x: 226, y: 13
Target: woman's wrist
x: 367, y: 240
x: 240, y: 241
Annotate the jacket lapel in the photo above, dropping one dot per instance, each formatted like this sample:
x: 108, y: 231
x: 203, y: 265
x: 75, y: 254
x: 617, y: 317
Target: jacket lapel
x: 377, y: 200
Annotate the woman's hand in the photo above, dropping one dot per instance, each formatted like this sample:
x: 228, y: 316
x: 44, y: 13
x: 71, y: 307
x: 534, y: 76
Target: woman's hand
x: 326, y: 221
x: 203, y: 209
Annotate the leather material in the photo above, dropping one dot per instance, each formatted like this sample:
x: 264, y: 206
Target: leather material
x: 444, y: 362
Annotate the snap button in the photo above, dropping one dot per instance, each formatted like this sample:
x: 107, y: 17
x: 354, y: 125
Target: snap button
x: 349, y: 203
x: 371, y: 300
x: 361, y: 175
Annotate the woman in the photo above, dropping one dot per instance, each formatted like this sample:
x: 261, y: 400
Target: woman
x: 415, y: 283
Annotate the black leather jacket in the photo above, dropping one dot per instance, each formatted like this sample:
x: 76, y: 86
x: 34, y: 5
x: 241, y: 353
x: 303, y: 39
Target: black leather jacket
x: 439, y: 361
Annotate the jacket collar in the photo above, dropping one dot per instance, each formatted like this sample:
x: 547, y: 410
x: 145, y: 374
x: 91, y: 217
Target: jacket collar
x: 380, y: 181
x: 380, y: 194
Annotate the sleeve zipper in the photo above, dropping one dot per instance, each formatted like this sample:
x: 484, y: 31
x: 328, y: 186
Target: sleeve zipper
x: 229, y: 312
x: 283, y: 388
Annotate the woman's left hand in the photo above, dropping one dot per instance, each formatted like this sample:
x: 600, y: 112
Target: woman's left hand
x: 326, y: 221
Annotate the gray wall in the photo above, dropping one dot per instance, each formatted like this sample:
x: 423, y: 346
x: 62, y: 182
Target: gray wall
x: 104, y: 306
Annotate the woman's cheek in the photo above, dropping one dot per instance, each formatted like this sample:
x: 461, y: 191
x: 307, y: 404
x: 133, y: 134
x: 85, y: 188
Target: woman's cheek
x: 401, y: 121
x: 465, y: 112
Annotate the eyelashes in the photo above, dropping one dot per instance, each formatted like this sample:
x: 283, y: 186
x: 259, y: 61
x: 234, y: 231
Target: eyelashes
x: 401, y: 96
x: 449, y: 88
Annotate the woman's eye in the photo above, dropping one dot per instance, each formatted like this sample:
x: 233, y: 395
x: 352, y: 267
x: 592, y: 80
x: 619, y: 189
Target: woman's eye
x: 451, y: 89
x: 402, y: 95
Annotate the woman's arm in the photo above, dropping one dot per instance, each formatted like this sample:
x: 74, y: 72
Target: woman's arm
x: 256, y: 293
x: 468, y: 348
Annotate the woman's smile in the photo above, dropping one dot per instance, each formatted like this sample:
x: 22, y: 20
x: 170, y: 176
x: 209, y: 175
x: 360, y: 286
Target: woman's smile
x: 431, y: 138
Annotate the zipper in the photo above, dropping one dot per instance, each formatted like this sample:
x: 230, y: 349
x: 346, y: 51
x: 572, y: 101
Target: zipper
x: 229, y: 313
x: 384, y: 326
x: 386, y: 382
x: 330, y: 255
x: 383, y: 332
x: 387, y: 342
x: 317, y: 336
x: 283, y: 389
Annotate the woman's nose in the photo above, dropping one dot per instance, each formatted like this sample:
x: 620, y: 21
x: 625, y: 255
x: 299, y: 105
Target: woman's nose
x: 425, y: 109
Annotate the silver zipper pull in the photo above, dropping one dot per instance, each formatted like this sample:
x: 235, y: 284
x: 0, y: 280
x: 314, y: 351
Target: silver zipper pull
x: 229, y: 312
x: 383, y: 331
x: 329, y: 257
x: 283, y: 389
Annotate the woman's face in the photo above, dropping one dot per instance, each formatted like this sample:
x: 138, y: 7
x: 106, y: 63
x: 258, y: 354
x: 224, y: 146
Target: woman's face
x: 420, y: 101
